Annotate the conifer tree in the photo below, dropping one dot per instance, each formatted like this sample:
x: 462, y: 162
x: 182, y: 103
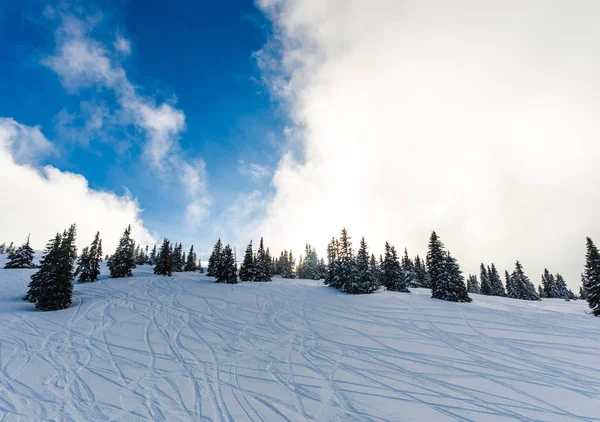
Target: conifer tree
x: 453, y: 288
x: 562, y: 291
x: 140, y: 257
x: 56, y: 287
x: 227, y: 271
x: 178, y: 258
x: 375, y: 270
x: 269, y: 263
x: 22, y: 257
x: 95, y: 258
x: 288, y: 265
x: 436, y: 263
x: 190, y: 262
x: 153, y: 256
x: 47, y: 269
x: 215, y: 259
x: 510, y: 291
x: 473, y: 284
x: 164, y: 260
x: 496, y: 282
x: 523, y: 288
x: 365, y: 281
x: 2, y: 248
x: 122, y: 261
x: 345, y: 268
x: 392, y: 275
x: 421, y: 273
x: 247, y: 272
x: 591, y: 277
x: 486, y: 285
x: 262, y: 264
x: 548, y: 284
x: 331, y: 263
x: 447, y: 282
x: 200, y: 267
x: 408, y: 268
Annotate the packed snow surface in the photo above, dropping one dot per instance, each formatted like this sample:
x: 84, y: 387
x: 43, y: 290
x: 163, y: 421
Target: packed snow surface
x: 188, y: 349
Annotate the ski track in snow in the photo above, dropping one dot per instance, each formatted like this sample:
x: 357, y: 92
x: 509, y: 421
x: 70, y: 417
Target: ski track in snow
x: 188, y: 349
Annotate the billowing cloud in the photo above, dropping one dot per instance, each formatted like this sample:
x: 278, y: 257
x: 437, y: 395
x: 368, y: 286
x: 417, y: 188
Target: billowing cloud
x: 83, y: 62
x: 42, y: 201
x: 476, y: 119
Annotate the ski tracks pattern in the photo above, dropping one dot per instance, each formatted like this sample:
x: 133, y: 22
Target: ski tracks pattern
x: 188, y: 349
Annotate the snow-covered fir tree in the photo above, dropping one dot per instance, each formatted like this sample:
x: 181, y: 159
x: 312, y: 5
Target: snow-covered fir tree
x: 392, y: 274
x: 548, y: 284
x: 288, y: 265
x: 447, y: 282
x: 22, y: 257
x: 215, y: 259
x: 262, y: 264
x: 409, y: 270
x: 365, y: 281
x: 152, y: 258
x: 164, y: 260
x: 227, y: 271
x: 247, y: 268
x: 2, y: 248
x: 495, y: 281
x: 421, y: 272
x: 562, y: 291
x: 88, y: 263
x: 522, y: 287
x: 375, y: 269
x: 591, y: 276
x: 331, y: 263
x: 510, y: 291
x: 141, y: 257
x: 178, y: 258
x: 484, y: 278
x: 309, y: 267
x: 190, y: 261
x: 200, y: 267
x: 122, y: 261
x: 47, y: 268
x: 345, y: 265
x: 473, y: 284
x: 56, y: 288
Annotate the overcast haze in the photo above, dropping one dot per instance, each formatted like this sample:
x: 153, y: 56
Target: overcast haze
x: 293, y: 119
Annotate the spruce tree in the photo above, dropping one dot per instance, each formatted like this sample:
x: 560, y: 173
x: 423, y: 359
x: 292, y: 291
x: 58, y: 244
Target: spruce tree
x: 510, y: 291
x: 56, y: 290
x: 453, y: 288
x: 122, y: 261
x: 247, y: 272
x: 227, y: 272
x: 200, y: 267
x: 153, y: 256
x: 88, y: 263
x: 548, y: 284
x: 523, y: 288
x: 591, y: 277
x: 83, y: 265
x: 47, y: 269
x: 473, y: 284
x: 215, y: 259
x: 164, y: 260
x: 496, y: 282
x: 421, y: 273
x: 190, y: 262
x: 486, y: 285
x: 262, y: 264
x: 331, y: 263
x: 288, y: 265
x: 346, y: 265
x: 447, y: 282
x: 365, y: 281
x: 562, y: 291
x: 178, y: 258
x: 436, y: 263
x: 22, y: 257
x: 392, y: 276
x: 408, y: 268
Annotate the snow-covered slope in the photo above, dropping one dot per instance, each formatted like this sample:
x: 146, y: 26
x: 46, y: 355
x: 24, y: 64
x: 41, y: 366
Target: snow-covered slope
x: 186, y: 348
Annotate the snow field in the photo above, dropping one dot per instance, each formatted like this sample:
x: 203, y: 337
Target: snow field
x: 188, y: 349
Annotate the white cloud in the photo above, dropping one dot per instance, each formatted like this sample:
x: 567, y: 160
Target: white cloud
x: 26, y: 144
x: 122, y: 45
x: 83, y: 62
x: 42, y: 201
x: 256, y: 172
x: 476, y: 119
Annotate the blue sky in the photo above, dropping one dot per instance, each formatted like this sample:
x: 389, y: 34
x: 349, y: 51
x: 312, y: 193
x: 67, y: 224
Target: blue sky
x: 291, y: 119
x: 195, y: 56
